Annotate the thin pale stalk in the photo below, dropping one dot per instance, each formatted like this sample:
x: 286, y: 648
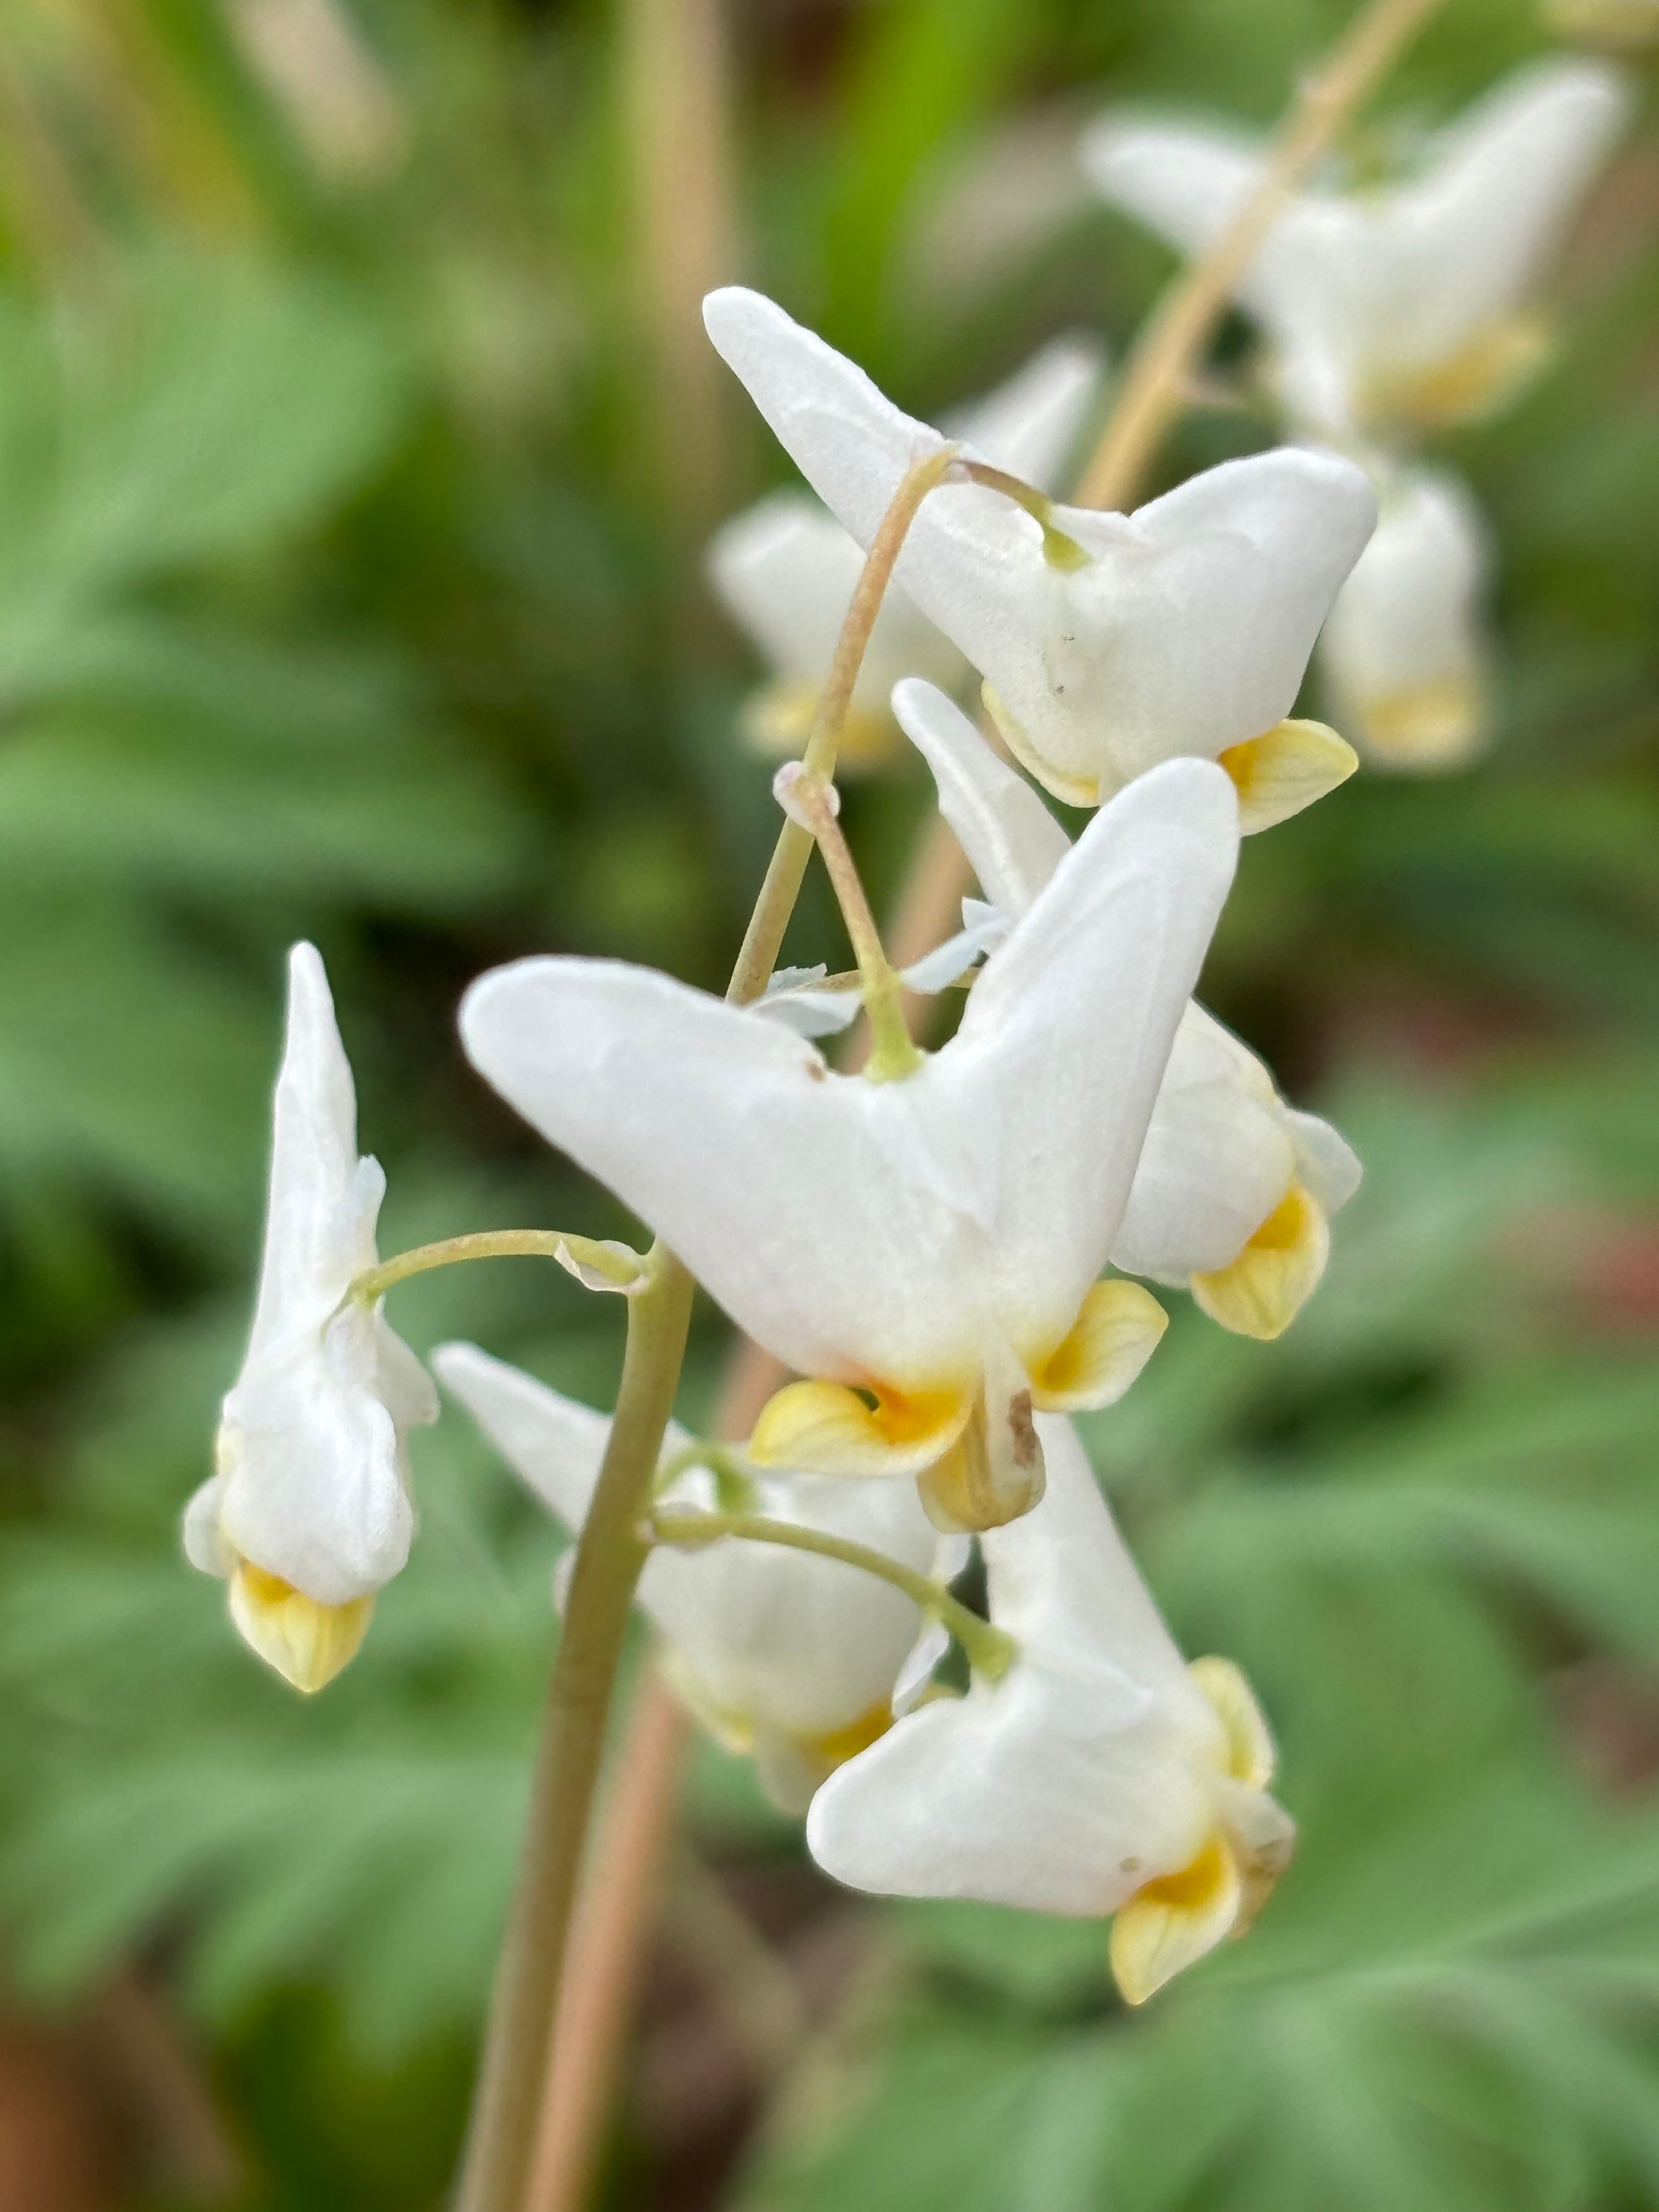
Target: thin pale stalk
x: 1155, y: 385
x: 989, y: 1651
x: 614, y: 1261
x: 609, y: 1557
x: 764, y: 939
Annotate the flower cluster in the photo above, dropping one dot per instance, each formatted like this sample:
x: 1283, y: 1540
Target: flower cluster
x: 1389, y: 311
x: 949, y: 1250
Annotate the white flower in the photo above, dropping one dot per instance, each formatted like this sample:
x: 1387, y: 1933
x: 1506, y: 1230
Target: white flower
x: 933, y: 1242
x: 309, y: 1511
x: 786, y: 569
x: 1406, y: 651
x: 794, y: 1658
x: 1234, y: 1190
x: 1400, y: 307
x: 1100, y: 1774
x: 1182, y: 629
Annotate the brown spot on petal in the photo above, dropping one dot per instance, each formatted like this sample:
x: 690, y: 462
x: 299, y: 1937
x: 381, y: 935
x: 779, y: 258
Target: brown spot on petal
x: 1023, y: 1429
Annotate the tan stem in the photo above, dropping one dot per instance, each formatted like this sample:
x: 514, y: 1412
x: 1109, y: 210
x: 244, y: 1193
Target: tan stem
x: 613, y: 1925
x: 1155, y: 384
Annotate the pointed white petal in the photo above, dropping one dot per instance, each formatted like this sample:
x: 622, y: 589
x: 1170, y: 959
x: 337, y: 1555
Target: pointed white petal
x: 1187, y: 180
x: 1218, y: 1159
x: 832, y: 1218
x: 1326, y: 1163
x: 204, y: 1540
x: 553, y: 1443
x: 1012, y: 841
x: 1406, y: 649
x: 1068, y: 1032
x: 949, y: 963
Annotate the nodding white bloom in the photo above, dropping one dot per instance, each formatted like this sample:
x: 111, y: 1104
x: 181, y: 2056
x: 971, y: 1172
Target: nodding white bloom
x: 309, y: 1511
x: 1100, y: 1774
x: 1406, y: 651
x: 1234, y: 1192
x: 1398, y: 308
x: 1108, y: 642
x: 926, y: 1249
x: 791, y: 1657
x: 786, y: 570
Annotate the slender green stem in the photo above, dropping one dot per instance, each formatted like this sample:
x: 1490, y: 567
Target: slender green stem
x: 990, y: 1651
x: 615, y: 1262
x: 764, y: 939
x: 1154, y: 387
x: 1060, y: 549
x: 610, y: 1555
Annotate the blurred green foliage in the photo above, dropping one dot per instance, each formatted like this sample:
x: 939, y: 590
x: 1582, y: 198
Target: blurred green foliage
x: 340, y: 596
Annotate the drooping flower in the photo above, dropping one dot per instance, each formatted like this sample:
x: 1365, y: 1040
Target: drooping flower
x: 926, y: 1250
x: 790, y: 1658
x: 308, y: 1512
x: 1234, y: 1190
x: 1108, y: 642
x: 1406, y: 652
x: 1398, y: 308
x: 786, y: 570
x: 1100, y: 1774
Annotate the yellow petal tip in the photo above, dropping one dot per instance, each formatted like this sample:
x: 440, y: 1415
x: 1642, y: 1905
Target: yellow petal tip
x: 1261, y: 1292
x: 1116, y: 1331
x: 1427, y: 727
x: 307, y: 1643
x: 1284, y: 770
x: 1174, y: 1922
x: 829, y: 1428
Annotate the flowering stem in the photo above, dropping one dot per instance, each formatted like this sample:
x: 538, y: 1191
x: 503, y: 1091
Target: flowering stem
x: 990, y: 1651
x: 763, y: 938
x: 1154, y: 388
x: 609, y: 1557
x: 615, y: 1262
x: 1060, y: 551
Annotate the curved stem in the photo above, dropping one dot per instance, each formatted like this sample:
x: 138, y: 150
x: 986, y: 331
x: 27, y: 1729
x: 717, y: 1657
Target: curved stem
x: 615, y: 1262
x: 763, y: 938
x: 1154, y: 388
x: 990, y: 1651
x: 609, y: 1557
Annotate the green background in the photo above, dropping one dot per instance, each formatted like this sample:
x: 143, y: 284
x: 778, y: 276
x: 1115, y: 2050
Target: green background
x: 349, y: 588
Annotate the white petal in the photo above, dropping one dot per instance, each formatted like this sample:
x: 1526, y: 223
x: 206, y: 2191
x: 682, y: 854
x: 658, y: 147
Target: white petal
x: 552, y: 1442
x: 1409, y: 623
x: 832, y: 1218
x: 1012, y: 841
x: 1188, y: 180
x: 1029, y: 426
x: 320, y: 1225
x: 1325, y: 1160
x: 949, y: 963
x: 1218, y: 1159
x: 204, y: 1539
x: 1068, y: 1032
x: 316, y: 1481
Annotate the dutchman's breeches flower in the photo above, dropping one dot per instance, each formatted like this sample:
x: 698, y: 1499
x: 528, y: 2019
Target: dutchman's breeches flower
x: 309, y: 1511
x: 1108, y: 642
x: 1405, y: 652
x: 1234, y: 1190
x: 926, y: 1250
x: 1100, y: 1774
x: 792, y: 1658
x: 1399, y: 310
x: 786, y: 570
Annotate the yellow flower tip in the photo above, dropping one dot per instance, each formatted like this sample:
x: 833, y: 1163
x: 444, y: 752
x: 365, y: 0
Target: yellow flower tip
x: 306, y: 1642
x: 835, y: 1748
x: 960, y: 1493
x: 778, y: 719
x: 1117, y: 1332
x: 1176, y: 1921
x: 1074, y: 790
x: 1252, y: 1756
x: 1284, y: 770
x: 1261, y: 1292
x: 829, y: 1428
x: 1480, y: 378
x: 1427, y: 727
